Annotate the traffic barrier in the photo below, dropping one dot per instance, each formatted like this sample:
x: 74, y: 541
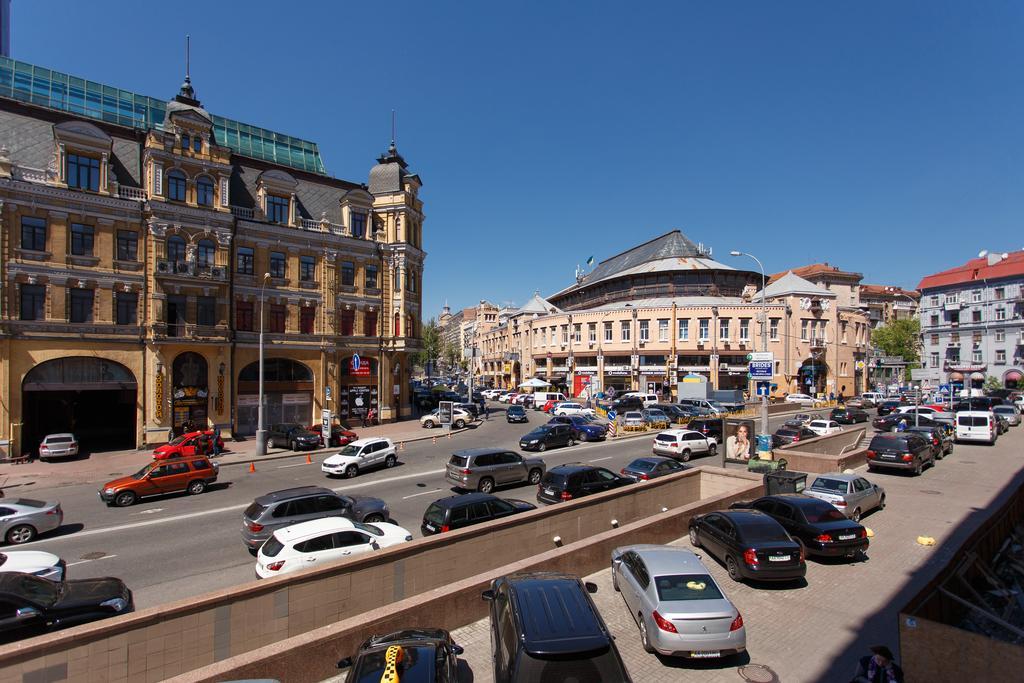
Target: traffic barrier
x: 252, y: 467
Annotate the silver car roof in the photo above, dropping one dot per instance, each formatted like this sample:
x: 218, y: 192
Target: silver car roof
x: 839, y: 475
x: 667, y: 559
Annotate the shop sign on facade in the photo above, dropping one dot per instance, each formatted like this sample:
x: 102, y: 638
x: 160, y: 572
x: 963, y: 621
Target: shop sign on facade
x: 358, y: 367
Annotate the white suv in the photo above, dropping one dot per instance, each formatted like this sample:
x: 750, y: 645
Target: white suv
x: 683, y: 443
x: 802, y: 399
x: 824, y: 427
x: 360, y: 455
x: 648, y: 399
x: 568, y: 408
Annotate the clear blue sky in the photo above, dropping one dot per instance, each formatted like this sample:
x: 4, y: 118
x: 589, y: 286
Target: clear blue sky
x: 884, y: 137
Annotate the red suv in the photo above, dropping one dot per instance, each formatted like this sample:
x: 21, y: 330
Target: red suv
x: 185, y: 445
x: 340, y: 436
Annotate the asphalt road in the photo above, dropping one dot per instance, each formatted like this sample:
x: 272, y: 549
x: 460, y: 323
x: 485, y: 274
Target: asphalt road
x: 176, y: 546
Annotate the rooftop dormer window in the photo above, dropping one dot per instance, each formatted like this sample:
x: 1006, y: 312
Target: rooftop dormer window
x: 83, y: 172
x: 277, y: 209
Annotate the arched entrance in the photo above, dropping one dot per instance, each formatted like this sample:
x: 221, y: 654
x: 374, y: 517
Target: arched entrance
x: 812, y: 376
x: 94, y: 398
x: 1013, y: 379
x: 287, y: 391
x: 190, y: 391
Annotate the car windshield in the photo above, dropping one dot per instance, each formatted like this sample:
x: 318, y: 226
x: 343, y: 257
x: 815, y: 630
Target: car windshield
x: 37, y: 590
x: 459, y: 461
x: 58, y: 439
x: 641, y: 465
x: 634, y: 416
x: 822, y: 513
x: 830, y: 485
x: 595, y: 665
x: 415, y: 664
x: 434, y: 515
x: 686, y: 587
x: 350, y: 450
x: 539, y: 431
x: 761, y: 532
x: 141, y: 473
x: 554, y: 479
x: 369, y: 528
x: 787, y: 432
x: 254, y: 510
x: 177, y: 440
x: 1006, y: 410
x: 272, y: 547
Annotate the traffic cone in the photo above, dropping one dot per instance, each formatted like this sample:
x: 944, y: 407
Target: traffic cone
x: 435, y: 440
x: 309, y: 459
x: 252, y: 467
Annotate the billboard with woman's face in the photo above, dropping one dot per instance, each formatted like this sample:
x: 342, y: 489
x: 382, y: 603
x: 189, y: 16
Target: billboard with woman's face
x: 740, y: 441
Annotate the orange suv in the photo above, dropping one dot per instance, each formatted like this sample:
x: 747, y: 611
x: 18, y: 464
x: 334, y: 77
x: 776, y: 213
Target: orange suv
x: 157, y: 478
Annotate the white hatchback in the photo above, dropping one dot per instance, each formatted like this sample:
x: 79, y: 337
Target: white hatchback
x: 35, y: 562
x: 322, y: 541
x: 569, y: 408
x: 824, y: 427
x: 802, y: 399
x: 360, y: 455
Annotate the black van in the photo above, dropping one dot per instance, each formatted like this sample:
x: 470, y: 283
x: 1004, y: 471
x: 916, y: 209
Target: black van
x: 545, y: 627
x: 708, y: 426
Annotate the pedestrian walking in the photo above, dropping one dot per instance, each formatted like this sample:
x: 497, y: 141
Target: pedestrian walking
x: 879, y: 667
x: 487, y: 412
x: 216, y: 442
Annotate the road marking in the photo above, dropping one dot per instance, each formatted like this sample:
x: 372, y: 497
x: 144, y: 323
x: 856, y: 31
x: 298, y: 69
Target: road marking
x: 421, y: 493
x: 401, y: 477
x: 284, y: 467
x: 600, y: 459
x: 105, y: 557
x: 151, y: 511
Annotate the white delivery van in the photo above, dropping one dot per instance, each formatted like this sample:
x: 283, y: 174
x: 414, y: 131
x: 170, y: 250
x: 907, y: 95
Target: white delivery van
x: 648, y: 399
x: 976, y: 425
x: 542, y: 397
x: 873, y: 396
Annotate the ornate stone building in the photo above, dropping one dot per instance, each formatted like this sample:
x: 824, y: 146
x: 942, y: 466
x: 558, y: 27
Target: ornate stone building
x: 141, y: 241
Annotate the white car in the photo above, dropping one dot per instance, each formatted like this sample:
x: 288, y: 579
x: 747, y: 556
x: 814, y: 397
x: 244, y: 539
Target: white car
x: 43, y: 565
x: 58, y: 446
x: 321, y: 541
x: 802, y: 399
x: 824, y: 427
x: 460, y: 418
x: 569, y: 408
x: 937, y: 415
x: 681, y: 444
x: 360, y: 455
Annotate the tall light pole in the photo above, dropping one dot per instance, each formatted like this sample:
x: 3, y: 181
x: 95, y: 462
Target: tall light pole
x: 917, y: 396
x: 764, y: 337
x: 261, y: 433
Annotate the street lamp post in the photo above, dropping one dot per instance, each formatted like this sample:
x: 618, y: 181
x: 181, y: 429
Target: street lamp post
x: 917, y: 396
x: 261, y: 433
x: 764, y: 336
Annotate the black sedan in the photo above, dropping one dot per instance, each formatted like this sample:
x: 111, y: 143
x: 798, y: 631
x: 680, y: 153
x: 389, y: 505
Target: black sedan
x: 516, y: 414
x: 891, y: 422
x: 849, y: 415
x: 651, y: 467
x: 821, y: 528
x: 34, y: 605
x: 545, y: 436
x: 751, y: 544
x: 889, y: 407
x: 585, y: 428
x: 790, y: 434
x: 427, y: 654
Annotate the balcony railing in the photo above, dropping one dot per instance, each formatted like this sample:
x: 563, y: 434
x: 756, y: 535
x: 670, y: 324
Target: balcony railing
x: 189, y: 331
x: 136, y: 193
x: 242, y: 212
x: 189, y: 269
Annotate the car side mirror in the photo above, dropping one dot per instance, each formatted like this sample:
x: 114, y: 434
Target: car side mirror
x: 487, y: 595
x: 345, y: 663
x: 591, y: 587
x: 26, y: 613
x: 616, y: 562
x: 457, y: 649
x: 375, y: 545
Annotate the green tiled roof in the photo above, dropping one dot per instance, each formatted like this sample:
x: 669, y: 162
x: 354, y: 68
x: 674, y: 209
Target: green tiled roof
x: 59, y: 91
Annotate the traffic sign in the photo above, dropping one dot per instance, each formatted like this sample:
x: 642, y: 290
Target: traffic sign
x: 327, y: 393
x: 611, y: 415
x: 763, y: 388
x: 761, y: 369
x: 768, y: 356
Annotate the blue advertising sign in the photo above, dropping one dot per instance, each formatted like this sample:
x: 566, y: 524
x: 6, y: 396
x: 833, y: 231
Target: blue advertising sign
x: 760, y: 369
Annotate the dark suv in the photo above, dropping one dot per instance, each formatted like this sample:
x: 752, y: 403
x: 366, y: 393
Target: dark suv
x: 848, y: 415
x: 621, y: 405
x: 567, y: 482
x: 543, y: 437
x: 457, y: 512
x: 292, y: 436
x: 545, y: 627
x: 900, y: 451
x: 708, y: 426
x: 283, y: 508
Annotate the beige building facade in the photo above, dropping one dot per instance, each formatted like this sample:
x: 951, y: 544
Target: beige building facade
x: 646, y: 318
x: 142, y: 249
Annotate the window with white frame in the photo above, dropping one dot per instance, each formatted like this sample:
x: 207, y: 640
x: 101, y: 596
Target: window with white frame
x: 1000, y: 314
x: 953, y: 298
x: 934, y: 299
x: 624, y: 331
x: 976, y: 296
x: 804, y: 326
x: 723, y: 328
x: 1000, y: 335
x: 933, y: 360
x: 684, y: 329
x: 608, y: 331
x: 744, y: 329
x: 592, y: 332
x: 976, y: 356
x: 703, y: 329
x: 645, y: 330
x: 577, y: 332
x: 565, y: 334
x: 1000, y: 357
x: 773, y: 329
x: 663, y: 329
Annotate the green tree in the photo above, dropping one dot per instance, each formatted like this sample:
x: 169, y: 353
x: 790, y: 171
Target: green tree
x: 452, y: 355
x: 992, y: 383
x: 900, y: 338
x: 427, y: 356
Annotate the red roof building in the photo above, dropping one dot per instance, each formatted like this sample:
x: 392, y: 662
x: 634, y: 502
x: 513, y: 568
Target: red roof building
x: 988, y: 267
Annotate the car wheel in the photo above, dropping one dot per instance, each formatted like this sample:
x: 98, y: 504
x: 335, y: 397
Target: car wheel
x: 570, y: 442
x: 615, y: 582
x: 685, y: 455
x: 643, y: 634
x: 881, y: 503
x: 429, y: 424
x: 917, y: 469
x: 733, y: 569
x: 856, y: 515
x: 535, y: 476
x: 541, y: 447
x: 351, y: 471
x: 270, y: 443
x: 486, y: 485
x: 693, y: 537
x: 196, y: 487
x: 459, y: 424
x: 583, y: 437
x: 23, y: 533
x: 390, y: 461
x: 374, y: 519
x: 712, y: 448
x: 124, y: 499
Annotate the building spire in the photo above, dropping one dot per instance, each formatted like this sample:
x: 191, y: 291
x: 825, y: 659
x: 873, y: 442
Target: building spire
x: 393, y: 149
x: 187, y: 91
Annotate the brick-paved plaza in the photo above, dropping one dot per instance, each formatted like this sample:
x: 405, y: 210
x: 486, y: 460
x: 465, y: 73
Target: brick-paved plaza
x: 816, y: 632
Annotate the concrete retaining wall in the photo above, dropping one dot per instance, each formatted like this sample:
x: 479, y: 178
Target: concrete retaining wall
x: 176, y: 638
x: 833, y: 453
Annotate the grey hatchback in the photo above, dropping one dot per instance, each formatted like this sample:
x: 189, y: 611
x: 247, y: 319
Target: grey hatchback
x: 283, y: 508
x: 482, y: 469
x: 22, y: 519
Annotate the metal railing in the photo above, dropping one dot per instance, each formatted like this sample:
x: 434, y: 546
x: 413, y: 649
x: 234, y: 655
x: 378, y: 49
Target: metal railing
x: 189, y: 330
x: 136, y: 193
x: 190, y: 269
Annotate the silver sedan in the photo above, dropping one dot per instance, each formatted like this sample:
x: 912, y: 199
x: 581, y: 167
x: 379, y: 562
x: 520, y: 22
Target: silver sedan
x: 1011, y: 413
x: 22, y: 519
x: 679, y: 608
x: 851, y: 494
